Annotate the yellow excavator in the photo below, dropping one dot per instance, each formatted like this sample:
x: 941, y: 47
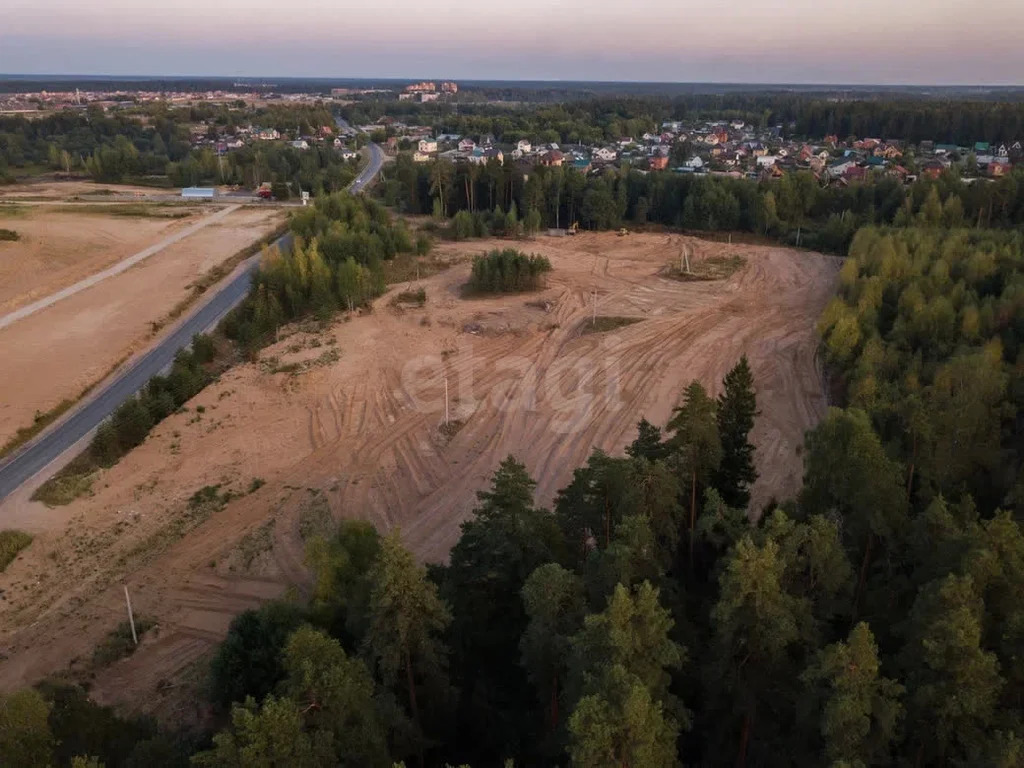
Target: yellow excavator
x: 574, y: 228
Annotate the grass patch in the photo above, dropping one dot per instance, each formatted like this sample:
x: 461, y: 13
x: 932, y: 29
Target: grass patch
x: 416, y: 298
x: 711, y: 268
x: 39, y: 423
x: 605, y: 323
x: 315, y: 519
x: 406, y: 268
x: 252, y: 545
x: 9, y: 235
x: 200, y: 507
x: 74, y: 480
x: 11, y: 543
x: 451, y: 429
x: 131, y: 210
x: 118, y: 644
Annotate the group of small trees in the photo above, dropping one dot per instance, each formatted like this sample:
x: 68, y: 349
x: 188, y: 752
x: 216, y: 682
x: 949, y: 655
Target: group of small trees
x: 335, y: 263
x: 163, y: 395
x: 507, y: 271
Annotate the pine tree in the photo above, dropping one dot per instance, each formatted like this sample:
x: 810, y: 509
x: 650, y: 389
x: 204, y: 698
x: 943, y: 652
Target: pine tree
x: 407, y: 619
x: 953, y: 683
x: 554, y: 604
x: 736, y: 409
x: 860, y: 709
x: 756, y: 624
x: 648, y: 444
x: 618, y: 724
x: 696, y: 441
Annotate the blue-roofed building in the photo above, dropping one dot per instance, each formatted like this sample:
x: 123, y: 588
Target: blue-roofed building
x: 198, y: 193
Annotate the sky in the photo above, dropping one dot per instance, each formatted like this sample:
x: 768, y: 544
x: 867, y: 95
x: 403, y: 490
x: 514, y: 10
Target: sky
x: 917, y: 42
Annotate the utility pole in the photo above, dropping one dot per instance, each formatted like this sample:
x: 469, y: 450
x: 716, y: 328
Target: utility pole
x: 446, y: 401
x: 131, y: 618
x: 593, y: 321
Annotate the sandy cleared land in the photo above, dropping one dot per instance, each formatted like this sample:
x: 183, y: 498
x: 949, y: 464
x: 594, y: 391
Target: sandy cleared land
x: 356, y: 432
x: 53, y: 189
x: 50, y: 188
x: 58, y: 248
x: 57, y: 352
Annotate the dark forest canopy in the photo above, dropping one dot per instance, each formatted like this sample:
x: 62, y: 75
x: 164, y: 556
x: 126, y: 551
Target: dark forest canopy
x: 793, y: 209
x: 953, y: 119
x: 154, y: 144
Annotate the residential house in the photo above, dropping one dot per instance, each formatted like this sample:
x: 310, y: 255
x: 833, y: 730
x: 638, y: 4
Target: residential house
x: 933, y: 169
x: 605, y: 154
x: 467, y: 145
x: 552, y: 158
x: 658, y: 162
x: 420, y: 157
x: 998, y: 168
x: 426, y: 146
x: 581, y: 163
x: 300, y: 144
x: 855, y: 173
x: 840, y: 167
x: 524, y: 146
x: 695, y: 163
x: 766, y: 161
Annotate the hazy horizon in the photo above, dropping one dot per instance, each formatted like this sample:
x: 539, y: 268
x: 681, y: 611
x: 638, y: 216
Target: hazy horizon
x: 785, y: 42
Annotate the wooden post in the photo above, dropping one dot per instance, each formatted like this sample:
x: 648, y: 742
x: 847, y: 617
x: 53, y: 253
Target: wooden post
x: 446, y: 401
x: 131, y: 618
x: 593, y: 321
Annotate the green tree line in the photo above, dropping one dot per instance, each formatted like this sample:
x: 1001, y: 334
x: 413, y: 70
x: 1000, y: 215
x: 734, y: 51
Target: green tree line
x: 335, y: 263
x: 795, y: 208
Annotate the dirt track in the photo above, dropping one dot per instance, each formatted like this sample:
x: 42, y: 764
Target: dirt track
x: 362, y: 434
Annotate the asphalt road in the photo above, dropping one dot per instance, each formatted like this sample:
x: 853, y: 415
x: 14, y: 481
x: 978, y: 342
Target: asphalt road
x: 90, y: 414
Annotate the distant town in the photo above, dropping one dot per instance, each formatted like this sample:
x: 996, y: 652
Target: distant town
x: 731, y: 148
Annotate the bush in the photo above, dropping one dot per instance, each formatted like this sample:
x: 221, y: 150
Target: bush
x: 9, y: 234
x: 119, y: 643
x: 507, y: 271
x: 417, y: 297
x: 203, y: 349
x: 248, y: 662
x: 11, y: 543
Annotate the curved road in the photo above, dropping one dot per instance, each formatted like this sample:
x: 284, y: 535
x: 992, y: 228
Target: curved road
x: 89, y: 414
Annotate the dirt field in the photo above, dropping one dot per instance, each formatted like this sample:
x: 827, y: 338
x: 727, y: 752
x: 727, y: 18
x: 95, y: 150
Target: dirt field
x: 59, y: 247
x: 351, y: 427
x: 55, y: 353
x: 51, y: 188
